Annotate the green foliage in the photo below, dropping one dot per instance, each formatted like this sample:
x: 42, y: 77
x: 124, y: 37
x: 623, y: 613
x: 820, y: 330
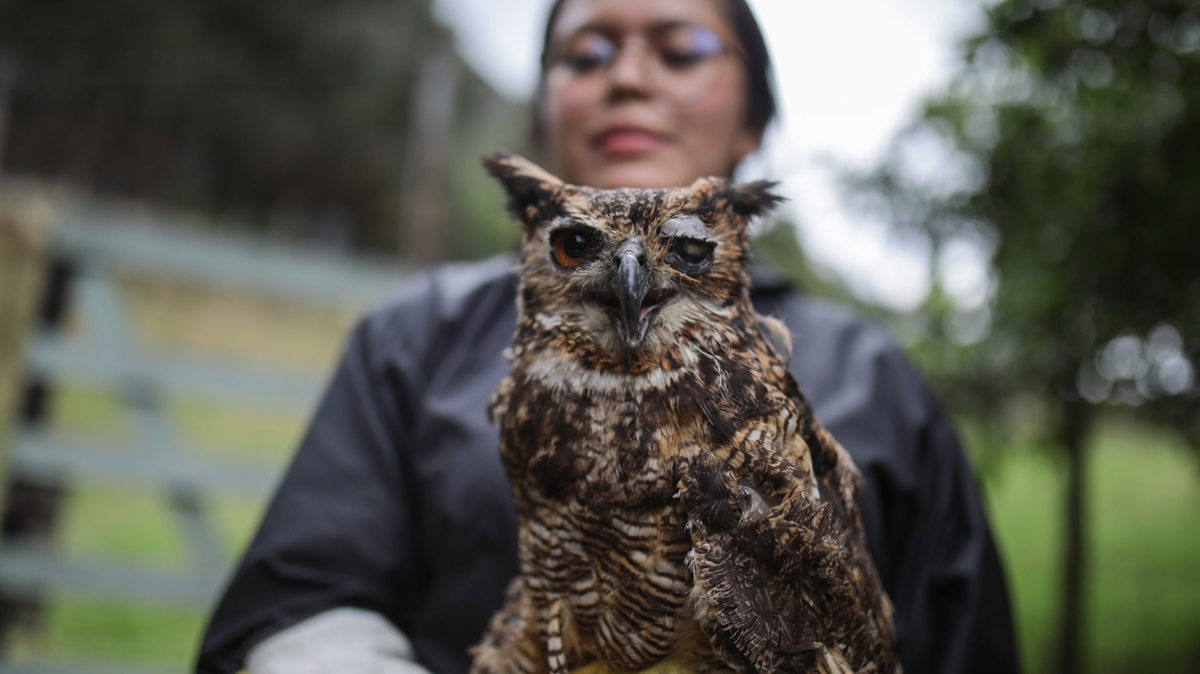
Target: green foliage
x: 94, y: 631
x: 1068, y: 147
x: 289, y: 116
x: 478, y: 223
x: 779, y: 247
x: 1141, y: 606
x: 1070, y: 143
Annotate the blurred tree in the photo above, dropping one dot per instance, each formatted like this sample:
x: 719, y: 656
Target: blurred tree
x: 293, y: 116
x: 1067, y: 149
x: 778, y: 245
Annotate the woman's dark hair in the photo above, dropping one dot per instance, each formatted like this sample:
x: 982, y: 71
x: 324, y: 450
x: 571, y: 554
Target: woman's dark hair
x: 760, y: 92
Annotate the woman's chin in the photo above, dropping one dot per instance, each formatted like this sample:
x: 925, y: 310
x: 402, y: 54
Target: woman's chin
x: 644, y: 171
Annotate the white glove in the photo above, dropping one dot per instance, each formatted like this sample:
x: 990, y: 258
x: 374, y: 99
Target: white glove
x: 340, y: 641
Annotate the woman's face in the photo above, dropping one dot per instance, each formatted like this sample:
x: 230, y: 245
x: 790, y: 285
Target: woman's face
x: 644, y: 93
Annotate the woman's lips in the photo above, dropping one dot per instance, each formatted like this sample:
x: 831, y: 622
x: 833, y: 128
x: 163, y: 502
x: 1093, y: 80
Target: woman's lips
x: 628, y: 141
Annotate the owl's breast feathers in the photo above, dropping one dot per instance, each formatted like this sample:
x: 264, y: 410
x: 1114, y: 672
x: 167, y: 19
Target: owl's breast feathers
x: 574, y: 417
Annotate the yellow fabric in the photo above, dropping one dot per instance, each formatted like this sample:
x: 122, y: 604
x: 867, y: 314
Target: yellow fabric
x: 664, y: 667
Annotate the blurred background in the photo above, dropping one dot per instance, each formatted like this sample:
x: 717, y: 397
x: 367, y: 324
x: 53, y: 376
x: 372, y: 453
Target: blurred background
x: 197, y: 200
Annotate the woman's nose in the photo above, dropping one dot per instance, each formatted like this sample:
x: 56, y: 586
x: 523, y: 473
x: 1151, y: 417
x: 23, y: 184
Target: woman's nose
x: 630, y: 72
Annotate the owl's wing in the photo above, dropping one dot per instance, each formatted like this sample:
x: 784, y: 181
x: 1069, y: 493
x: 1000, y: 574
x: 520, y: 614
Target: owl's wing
x: 764, y: 559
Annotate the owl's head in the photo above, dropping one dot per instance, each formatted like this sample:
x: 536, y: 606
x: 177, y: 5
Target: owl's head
x: 628, y: 269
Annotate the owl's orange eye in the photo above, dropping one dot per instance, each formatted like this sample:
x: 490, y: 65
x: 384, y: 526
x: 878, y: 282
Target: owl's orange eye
x: 572, y: 247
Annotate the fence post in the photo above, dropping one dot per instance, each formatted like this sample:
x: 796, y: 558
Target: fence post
x: 30, y: 509
x: 24, y: 219
x: 82, y: 264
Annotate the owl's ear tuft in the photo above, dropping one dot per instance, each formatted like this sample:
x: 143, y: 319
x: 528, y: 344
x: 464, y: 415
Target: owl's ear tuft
x: 752, y: 199
x: 531, y: 189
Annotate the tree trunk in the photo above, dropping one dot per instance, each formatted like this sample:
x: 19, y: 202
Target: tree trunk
x: 8, y: 79
x: 428, y: 148
x: 1072, y: 435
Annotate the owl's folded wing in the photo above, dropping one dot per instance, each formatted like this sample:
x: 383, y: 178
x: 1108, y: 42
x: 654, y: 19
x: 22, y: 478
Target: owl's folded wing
x: 764, y: 560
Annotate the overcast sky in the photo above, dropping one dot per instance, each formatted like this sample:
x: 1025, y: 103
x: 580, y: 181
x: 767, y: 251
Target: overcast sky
x: 851, y: 73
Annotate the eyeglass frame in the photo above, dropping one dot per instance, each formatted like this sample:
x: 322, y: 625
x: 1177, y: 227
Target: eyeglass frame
x: 556, y: 54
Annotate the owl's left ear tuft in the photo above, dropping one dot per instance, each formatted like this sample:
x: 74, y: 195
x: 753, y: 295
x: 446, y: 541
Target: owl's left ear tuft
x: 531, y: 189
x: 752, y: 199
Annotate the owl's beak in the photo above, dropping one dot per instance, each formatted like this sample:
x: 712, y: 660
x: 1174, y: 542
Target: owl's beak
x: 629, y: 285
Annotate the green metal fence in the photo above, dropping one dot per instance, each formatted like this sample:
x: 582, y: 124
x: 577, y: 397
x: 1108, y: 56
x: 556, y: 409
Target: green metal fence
x: 103, y: 352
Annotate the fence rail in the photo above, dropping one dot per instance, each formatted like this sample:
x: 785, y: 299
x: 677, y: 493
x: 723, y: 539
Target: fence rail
x: 191, y: 254
x: 98, y: 251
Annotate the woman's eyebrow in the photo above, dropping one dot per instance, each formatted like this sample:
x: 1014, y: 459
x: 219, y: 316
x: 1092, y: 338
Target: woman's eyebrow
x: 672, y: 24
x: 610, y: 28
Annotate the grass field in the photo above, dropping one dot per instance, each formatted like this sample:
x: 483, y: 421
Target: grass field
x: 1144, y: 582
x: 1143, y: 600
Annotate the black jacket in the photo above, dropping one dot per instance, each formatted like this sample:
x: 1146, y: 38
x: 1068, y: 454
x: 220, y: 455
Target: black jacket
x: 396, y: 500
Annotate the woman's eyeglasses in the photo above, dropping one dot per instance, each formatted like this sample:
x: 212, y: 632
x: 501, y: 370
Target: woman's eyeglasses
x: 683, y: 58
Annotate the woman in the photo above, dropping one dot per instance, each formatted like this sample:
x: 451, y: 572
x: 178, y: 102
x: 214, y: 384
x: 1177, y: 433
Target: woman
x: 392, y: 537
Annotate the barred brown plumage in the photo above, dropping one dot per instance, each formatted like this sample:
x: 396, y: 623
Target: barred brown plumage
x: 677, y: 500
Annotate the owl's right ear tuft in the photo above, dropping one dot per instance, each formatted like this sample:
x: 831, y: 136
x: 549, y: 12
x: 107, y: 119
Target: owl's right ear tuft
x: 753, y: 199
x: 531, y: 189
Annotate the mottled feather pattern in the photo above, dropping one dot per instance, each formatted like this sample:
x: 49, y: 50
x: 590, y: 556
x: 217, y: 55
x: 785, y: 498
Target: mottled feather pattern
x: 679, y: 506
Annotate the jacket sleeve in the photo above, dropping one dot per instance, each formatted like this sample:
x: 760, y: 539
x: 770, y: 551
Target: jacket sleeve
x: 337, y: 531
x: 953, y: 613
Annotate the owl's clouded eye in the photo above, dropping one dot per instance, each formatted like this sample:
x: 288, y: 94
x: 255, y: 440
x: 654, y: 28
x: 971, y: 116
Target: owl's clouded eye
x: 690, y: 256
x: 572, y: 246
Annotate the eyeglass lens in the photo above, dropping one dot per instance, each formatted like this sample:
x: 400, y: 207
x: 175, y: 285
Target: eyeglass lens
x: 676, y: 47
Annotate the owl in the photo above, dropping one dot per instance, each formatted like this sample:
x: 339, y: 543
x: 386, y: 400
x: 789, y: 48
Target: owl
x: 680, y: 509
